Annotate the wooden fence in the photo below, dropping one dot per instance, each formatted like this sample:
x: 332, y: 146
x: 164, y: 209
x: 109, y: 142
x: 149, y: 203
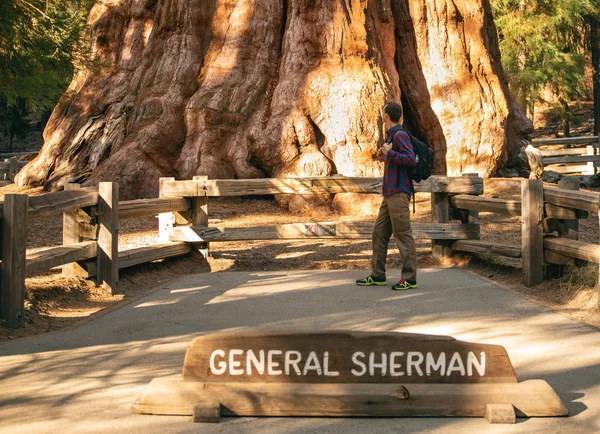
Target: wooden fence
x: 91, y: 225
x: 90, y: 239
x: 574, y: 154
x: 550, y: 221
x: 9, y: 169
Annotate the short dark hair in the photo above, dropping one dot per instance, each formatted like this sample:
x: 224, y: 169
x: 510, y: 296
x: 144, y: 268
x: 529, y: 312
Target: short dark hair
x: 394, y: 111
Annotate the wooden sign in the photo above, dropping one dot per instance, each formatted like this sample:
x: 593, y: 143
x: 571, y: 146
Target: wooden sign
x: 344, y: 357
x: 346, y: 374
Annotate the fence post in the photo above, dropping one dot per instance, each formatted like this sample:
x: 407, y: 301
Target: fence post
x: 591, y: 169
x: 440, y: 212
x: 71, y: 235
x: 200, y: 216
x: 532, y: 215
x: 14, y: 249
x: 472, y: 217
x: 108, y: 236
x: 165, y: 220
x: 13, y: 169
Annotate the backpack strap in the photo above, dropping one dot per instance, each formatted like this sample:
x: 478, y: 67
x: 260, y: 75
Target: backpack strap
x: 390, y: 139
x: 413, y: 195
x: 412, y: 185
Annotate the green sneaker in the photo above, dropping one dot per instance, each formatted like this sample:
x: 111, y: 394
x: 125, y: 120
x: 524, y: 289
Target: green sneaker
x: 370, y: 281
x: 404, y: 284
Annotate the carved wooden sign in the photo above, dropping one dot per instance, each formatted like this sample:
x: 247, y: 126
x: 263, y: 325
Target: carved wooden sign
x: 343, y: 357
x: 346, y: 374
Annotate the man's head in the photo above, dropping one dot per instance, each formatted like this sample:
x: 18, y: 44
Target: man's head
x: 392, y: 113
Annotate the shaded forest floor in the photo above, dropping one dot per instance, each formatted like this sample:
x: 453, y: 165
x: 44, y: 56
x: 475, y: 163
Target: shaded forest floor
x: 54, y: 302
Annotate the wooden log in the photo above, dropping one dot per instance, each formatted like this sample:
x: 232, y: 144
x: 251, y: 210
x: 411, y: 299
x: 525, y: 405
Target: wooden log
x: 486, y: 248
x: 500, y: 413
x: 267, y: 186
x: 108, y: 236
x: 440, y: 213
x: 143, y: 207
x: 140, y: 255
x: 573, y: 249
x: 485, y: 204
x: 199, y: 216
x: 593, y: 140
x: 12, y: 269
x: 46, y: 259
x: 306, y: 231
x: 172, y: 396
x: 571, y: 159
x: 584, y: 200
x: 532, y: 200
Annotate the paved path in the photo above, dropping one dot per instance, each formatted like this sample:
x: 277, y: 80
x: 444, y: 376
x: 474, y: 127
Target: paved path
x: 84, y: 380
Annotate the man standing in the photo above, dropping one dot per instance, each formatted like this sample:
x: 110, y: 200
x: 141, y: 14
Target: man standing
x: 394, y: 212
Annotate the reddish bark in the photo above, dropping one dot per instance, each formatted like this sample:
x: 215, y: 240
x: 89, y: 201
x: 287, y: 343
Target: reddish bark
x: 254, y: 88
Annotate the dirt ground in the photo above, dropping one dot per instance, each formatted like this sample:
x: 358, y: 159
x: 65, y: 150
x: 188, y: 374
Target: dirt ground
x: 55, y: 303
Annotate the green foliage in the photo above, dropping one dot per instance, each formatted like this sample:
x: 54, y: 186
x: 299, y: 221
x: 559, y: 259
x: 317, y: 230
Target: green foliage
x: 40, y: 46
x: 543, y: 45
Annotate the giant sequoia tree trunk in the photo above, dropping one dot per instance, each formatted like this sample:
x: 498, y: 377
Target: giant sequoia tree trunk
x: 254, y: 88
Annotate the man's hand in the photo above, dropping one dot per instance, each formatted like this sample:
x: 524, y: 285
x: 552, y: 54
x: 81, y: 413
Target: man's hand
x: 385, y: 148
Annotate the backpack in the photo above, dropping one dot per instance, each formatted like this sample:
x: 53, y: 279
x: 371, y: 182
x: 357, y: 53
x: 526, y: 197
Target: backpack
x: 424, y: 166
x: 424, y: 157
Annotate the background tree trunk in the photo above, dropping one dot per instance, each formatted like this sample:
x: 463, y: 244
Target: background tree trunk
x: 254, y: 88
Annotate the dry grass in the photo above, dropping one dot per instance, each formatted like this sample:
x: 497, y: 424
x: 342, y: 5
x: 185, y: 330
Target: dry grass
x: 54, y: 302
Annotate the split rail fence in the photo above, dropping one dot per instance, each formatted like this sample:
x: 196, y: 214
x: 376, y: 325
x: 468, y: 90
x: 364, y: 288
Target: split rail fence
x: 574, y: 154
x: 91, y: 225
x: 9, y: 169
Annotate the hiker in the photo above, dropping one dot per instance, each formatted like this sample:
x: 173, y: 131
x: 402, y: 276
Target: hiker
x: 394, y: 212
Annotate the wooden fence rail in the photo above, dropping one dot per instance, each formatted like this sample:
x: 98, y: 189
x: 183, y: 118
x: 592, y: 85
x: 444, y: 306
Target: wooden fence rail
x: 266, y: 186
x: 568, y: 159
x: 584, y: 140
